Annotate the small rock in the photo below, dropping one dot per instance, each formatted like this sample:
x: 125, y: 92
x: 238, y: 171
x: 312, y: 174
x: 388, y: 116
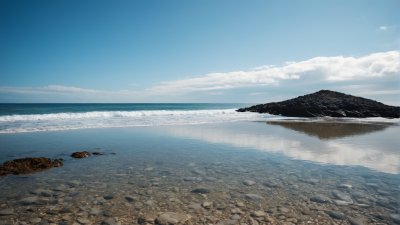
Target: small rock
x: 272, y: 184
x: 349, y: 186
x: 107, y: 214
x: 109, y: 221
x: 151, y: 203
x: 283, y: 209
x: 6, y: 212
x: 357, y: 221
x: 65, y: 210
x: 254, y: 197
x: 144, y: 184
x: 83, y: 221
x: 171, y: 218
x: 47, y: 193
x: 395, y: 217
x: 358, y: 195
x: 130, y: 198
x: 73, y: 183
x: 228, y: 222
x: 341, y: 203
x: 95, y: 212
x: 60, y: 188
x: 80, y: 154
x: 52, y: 212
x: 235, y: 217
x: 149, y: 169
x: 207, y: 205
x: 201, y: 190
x: 29, y: 200
x: 195, y: 206
x: 337, y: 215
x: 53, y: 202
x: 35, y: 220
x: 248, y: 182
x: 110, y: 196
x: 258, y: 214
x: 320, y: 199
x: 342, y: 196
x: 138, y: 205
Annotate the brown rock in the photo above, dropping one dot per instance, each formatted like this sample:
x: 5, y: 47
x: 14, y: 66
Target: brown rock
x: 147, y: 218
x: 80, y: 154
x: 28, y: 165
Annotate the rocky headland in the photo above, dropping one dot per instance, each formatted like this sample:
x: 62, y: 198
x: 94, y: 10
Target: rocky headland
x: 327, y: 103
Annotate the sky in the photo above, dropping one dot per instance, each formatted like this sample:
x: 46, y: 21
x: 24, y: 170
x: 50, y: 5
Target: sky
x: 224, y: 51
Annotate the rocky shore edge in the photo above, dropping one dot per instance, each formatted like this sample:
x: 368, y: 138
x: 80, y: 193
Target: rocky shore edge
x: 327, y: 103
x: 28, y: 165
x: 36, y: 164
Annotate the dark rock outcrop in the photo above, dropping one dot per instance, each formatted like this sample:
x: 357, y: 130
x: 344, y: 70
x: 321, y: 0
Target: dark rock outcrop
x: 28, y: 165
x: 327, y: 103
x: 80, y: 154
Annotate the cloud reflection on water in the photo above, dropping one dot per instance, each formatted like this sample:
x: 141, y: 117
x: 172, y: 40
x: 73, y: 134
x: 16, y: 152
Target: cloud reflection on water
x: 338, y: 144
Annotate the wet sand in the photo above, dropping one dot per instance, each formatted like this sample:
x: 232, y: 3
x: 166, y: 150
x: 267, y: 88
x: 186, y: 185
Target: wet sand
x: 228, y: 173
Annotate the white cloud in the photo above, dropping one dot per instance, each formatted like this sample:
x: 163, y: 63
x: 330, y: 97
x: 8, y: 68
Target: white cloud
x: 264, y: 67
x: 320, y: 70
x: 332, y: 69
x: 390, y: 28
x: 59, y: 90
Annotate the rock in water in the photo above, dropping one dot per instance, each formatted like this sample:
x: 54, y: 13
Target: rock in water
x: 171, y: 218
x: 327, y: 103
x: 254, y: 197
x: 357, y: 221
x: 337, y: 215
x: 342, y: 196
x: 80, y: 154
x: 28, y: 165
x: 201, y: 190
x: 320, y: 199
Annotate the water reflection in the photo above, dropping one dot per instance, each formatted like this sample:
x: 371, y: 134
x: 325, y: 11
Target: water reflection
x: 330, y: 130
x: 372, y: 146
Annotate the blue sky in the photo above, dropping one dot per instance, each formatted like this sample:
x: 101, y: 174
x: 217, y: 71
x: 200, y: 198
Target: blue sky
x: 197, y: 51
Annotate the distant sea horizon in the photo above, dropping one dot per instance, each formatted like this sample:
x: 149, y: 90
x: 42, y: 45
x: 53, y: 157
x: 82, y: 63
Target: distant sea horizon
x: 34, y: 117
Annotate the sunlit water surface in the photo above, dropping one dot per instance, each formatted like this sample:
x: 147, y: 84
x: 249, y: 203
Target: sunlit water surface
x: 289, y: 163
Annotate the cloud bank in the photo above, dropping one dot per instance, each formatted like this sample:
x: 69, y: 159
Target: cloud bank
x: 341, y: 70
x: 330, y: 69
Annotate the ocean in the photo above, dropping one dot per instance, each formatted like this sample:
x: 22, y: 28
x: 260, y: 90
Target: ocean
x: 16, y: 118
x: 197, y: 164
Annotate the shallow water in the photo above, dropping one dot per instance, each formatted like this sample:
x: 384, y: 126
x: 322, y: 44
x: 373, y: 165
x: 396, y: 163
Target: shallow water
x: 289, y: 163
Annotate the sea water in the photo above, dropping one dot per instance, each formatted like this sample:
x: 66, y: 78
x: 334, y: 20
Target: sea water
x: 251, y: 167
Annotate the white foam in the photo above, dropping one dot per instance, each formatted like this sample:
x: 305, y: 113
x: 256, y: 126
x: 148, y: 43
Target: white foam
x: 111, y: 114
x: 108, y: 119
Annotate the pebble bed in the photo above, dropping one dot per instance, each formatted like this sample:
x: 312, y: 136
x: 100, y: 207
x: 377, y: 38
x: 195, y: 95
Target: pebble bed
x: 199, y: 189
